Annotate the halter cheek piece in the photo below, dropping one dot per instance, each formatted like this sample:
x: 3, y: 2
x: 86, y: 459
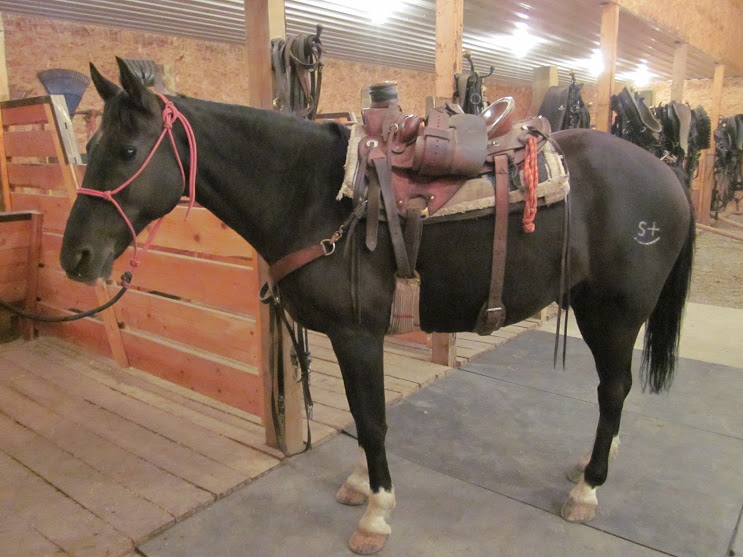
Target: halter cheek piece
x: 170, y: 114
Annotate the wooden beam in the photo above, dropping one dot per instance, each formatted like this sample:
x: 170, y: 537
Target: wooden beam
x: 4, y: 83
x: 32, y: 272
x: 543, y: 78
x: 264, y: 20
x: 708, y: 158
x: 444, y: 349
x: 605, y: 85
x: 449, y: 28
x: 725, y: 233
x: 4, y: 179
x: 258, y: 53
x: 449, y: 25
x: 679, y: 72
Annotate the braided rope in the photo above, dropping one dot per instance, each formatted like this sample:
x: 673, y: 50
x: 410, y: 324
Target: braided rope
x: 531, y: 177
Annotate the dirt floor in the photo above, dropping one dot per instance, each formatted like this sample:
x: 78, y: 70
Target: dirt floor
x: 718, y: 266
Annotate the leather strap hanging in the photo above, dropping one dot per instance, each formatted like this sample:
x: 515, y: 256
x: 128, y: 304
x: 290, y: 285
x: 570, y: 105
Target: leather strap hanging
x: 493, y: 314
x: 379, y: 160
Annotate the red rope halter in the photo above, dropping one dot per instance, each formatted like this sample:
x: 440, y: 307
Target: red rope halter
x: 170, y: 114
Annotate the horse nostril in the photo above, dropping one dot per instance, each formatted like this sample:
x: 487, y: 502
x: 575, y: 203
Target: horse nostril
x: 76, y: 262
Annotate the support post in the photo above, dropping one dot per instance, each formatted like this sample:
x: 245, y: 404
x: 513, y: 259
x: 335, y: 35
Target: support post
x: 543, y: 78
x: 32, y: 272
x: 4, y: 83
x: 708, y: 157
x: 264, y: 20
x: 449, y: 26
x: 258, y: 52
x: 679, y: 72
x: 605, y: 85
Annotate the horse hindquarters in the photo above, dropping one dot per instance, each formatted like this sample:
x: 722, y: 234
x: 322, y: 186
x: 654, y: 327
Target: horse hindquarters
x: 632, y: 248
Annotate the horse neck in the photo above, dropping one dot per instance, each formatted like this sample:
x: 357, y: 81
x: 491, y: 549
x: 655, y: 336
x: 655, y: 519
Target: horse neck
x: 270, y: 177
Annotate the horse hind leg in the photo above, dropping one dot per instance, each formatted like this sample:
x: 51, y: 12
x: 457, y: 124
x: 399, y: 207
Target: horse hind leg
x: 576, y: 472
x: 360, y: 356
x: 612, y: 351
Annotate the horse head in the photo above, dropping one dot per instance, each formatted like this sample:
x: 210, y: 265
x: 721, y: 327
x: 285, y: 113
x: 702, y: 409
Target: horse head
x: 128, y: 151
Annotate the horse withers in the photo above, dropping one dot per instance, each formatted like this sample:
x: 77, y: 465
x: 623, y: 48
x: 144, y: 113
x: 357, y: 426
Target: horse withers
x: 274, y: 179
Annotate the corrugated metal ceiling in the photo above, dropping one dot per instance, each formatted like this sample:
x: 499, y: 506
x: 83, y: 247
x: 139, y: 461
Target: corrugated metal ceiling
x: 563, y: 32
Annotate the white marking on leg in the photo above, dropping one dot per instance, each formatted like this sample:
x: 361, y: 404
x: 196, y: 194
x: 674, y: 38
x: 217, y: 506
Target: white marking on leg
x: 359, y: 478
x: 580, y: 505
x: 584, y: 494
x: 378, y: 512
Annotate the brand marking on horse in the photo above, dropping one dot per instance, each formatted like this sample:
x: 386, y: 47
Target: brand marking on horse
x: 647, y: 235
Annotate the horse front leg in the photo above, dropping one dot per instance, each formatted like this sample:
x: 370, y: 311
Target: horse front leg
x: 360, y: 356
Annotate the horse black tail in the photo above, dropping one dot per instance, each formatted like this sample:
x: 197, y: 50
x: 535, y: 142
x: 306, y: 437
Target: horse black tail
x: 663, y: 328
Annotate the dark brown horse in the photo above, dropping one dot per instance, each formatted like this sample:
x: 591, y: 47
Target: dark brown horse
x: 274, y: 179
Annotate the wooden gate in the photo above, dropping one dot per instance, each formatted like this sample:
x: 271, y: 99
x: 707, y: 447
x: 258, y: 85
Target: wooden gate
x: 191, y: 314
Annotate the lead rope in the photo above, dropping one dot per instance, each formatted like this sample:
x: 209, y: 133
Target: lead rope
x: 300, y: 358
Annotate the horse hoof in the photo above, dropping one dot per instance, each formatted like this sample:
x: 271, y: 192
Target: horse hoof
x: 349, y: 496
x: 364, y: 543
x: 575, y: 474
x: 574, y: 511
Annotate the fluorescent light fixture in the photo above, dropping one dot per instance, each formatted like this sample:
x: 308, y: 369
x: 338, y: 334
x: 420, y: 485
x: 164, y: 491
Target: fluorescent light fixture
x: 593, y: 65
x: 379, y: 10
x: 519, y: 42
x: 596, y: 63
x: 640, y: 77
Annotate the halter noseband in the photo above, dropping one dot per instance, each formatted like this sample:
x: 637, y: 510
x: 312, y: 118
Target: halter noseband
x: 170, y: 114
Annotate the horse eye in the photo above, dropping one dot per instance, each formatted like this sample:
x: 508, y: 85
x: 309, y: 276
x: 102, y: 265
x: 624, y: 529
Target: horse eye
x: 129, y: 153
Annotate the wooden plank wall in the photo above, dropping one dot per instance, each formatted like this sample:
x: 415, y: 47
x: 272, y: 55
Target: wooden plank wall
x: 20, y: 240
x: 190, y: 316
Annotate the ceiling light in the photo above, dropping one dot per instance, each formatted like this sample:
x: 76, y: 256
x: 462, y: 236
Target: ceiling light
x: 519, y: 42
x: 640, y: 77
x: 379, y: 10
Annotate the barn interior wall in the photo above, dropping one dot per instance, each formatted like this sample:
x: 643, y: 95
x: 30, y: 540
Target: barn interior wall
x: 712, y: 26
x: 196, y: 68
x: 215, y: 71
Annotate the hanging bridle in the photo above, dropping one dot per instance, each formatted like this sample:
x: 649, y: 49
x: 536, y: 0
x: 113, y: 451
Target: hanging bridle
x: 170, y: 114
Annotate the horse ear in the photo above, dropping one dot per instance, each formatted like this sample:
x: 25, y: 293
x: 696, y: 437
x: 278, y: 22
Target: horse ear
x: 106, y: 89
x: 133, y: 85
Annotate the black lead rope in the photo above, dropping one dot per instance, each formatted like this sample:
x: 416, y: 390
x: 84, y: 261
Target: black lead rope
x: 300, y: 357
x: 125, y: 279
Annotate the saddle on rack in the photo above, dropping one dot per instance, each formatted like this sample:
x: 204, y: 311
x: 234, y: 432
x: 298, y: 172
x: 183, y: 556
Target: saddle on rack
x: 409, y: 167
x: 634, y: 121
x: 675, y: 120
x: 563, y: 106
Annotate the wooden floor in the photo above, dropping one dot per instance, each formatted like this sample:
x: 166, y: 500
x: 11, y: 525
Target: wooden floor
x: 95, y: 459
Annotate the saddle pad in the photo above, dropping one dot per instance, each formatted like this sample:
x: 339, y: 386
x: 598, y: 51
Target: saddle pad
x: 358, y: 132
x: 475, y: 194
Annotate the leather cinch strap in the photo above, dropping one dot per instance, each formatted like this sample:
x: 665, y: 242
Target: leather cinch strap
x: 493, y: 314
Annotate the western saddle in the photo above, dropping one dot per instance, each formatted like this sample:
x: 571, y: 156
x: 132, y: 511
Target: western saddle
x: 409, y: 167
